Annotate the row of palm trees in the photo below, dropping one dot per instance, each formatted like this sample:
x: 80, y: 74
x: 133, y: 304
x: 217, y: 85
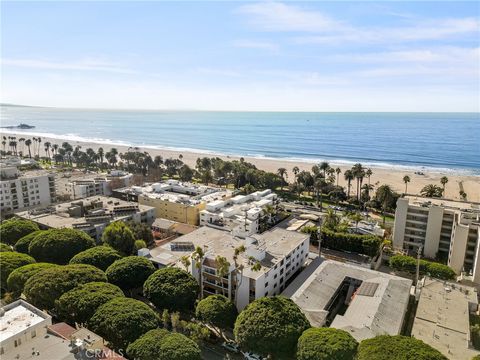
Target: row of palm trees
x: 17, y: 147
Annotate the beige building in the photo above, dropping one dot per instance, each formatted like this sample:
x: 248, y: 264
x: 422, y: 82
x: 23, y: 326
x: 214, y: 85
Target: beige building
x: 442, y: 319
x: 24, y: 190
x: 90, y: 215
x: 175, y: 200
x: 446, y: 230
x: 269, y: 261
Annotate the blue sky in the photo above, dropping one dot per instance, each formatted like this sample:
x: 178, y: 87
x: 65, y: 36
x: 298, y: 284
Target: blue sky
x: 299, y: 56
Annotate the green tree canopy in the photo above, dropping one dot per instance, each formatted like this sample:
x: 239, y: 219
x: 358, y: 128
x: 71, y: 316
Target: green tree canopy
x: 99, y: 256
x: 326, y: 344
x: 271, y: 325
x: 171, y: 288
x: 5, y: 247
x: 58, y: 246
x: 46, y: 286
x: 160, y: 344
x: 79, y: 304
x: 140, y: 244
x: 18, y: 277
x: 9, y: 261
x: 217, y: 310
x: 14, y: 229
x: 386, y: 347
x: 141, y: 231
x: 119, y: 236
x: 123, y: 320
x: 23, y: 243
x: 130, y: 272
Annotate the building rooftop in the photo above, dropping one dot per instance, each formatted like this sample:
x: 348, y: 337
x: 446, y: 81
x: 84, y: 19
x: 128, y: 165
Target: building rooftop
x: 443, y: 318
x: 369, y: 312
x: 94, y: 209
x: 445, y: 203
x: 19, y: 316
x: 273, y: 244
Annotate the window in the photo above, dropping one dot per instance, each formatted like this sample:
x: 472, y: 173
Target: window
x: 266, y: 284
x: 281, y: 272
x: 281, y: 280
x: 274, y: 286
x: 275, y: 276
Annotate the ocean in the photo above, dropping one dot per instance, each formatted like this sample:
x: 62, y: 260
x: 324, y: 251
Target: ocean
x: 433, y: 141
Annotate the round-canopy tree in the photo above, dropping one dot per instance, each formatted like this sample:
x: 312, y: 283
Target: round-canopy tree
x: 159, y: 344
x: 18, y: 277
x: 58, y: 246
x: 14, y: 229
x: 5, y: 247
x: 123, y: 320
x: 326, y: 344
x: 171, y: 288
x: 46, y: 286
x: 80, y: 303
x: 23, y: 243
x: 386, y: 347
x: 99, y: 256
x: 130, y: 272
x: 120, y: 237
x: 10, y: 261
x: 217, y: 310
x: 271, y: 325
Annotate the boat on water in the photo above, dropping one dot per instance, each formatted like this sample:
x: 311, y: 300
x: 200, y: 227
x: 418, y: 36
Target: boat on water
x: 19, y: 126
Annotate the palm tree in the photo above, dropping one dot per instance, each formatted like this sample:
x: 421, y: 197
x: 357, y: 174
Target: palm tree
x: 4, y: 143
x: 359, y: 173
x: 324, y: 166
x: 356, y: 217
x: 385, y: 196
x: 348, y: 175
x: 406, y: 180
x: 338, y: 171
x: 100, y: 154
x: 55, y: 149
x: 432, y: 190
x: 28, y: 142
x: 295, y: 170
x: 444, y: 181
x: 47, y: 145
x: 369, y: 173
x: 318, y: 186
x: 198, y: 256
x: 238, y: 269
x: 282, y: 172
x: 223, y: 269
x: 22, y: 142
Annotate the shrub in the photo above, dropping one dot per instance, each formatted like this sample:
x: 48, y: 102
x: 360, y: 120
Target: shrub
x: 326, y: 344
x: 120, y: 237
x: 58, y: 246
x: 171, y: 288
x: 5, y: 247
x: 271, y: 325
x: 46, y: 286
x: 99, y: 256
x: 24, y: 242
x: 123, y: 320
x: 14, y: 229
x: 18, y: 277
x: 409, y: 264
x: 217, y: 310
x: 80, y: 303
x: 159, y: 344
x: 386, y: 347
x: 140, y: 244
x: 9, y: 261
x: 363, y: 244
x: 475, y: 332
x: 130, y: 272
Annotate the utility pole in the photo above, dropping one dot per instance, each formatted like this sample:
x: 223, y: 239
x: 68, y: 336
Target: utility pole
x: 417, y: 275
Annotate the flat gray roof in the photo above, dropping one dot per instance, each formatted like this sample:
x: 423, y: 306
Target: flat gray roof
x: 378, y: 307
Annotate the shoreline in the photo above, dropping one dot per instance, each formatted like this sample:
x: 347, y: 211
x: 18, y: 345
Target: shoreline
x: 389, y: 174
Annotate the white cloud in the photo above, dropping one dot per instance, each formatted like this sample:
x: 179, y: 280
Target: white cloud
x: 253, y: 44
x: 87, y: 64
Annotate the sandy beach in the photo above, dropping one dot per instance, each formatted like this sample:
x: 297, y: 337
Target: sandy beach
x: 392, y: 177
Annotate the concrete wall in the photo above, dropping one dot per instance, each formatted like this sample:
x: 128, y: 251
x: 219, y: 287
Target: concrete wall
x: 458, y: 247
x: 400, y: 221
x: 434, y: 227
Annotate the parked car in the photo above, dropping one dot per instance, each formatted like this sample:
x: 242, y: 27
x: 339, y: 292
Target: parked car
x: 231, y: 346
x: 251, y: 356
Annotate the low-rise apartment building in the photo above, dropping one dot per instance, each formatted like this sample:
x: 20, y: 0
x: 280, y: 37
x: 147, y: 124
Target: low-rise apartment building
x: 240, y: 214
x: 90, y: 215
x: 270, y: 259
x: 175, y: 200
x: 445, y: 229
x: 23, y: 190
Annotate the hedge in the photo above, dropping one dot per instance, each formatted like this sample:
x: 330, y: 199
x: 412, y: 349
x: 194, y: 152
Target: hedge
x: 363, y: 244
x: 409, y: 264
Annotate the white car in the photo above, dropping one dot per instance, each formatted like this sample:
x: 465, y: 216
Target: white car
x: 251, y: 356
x: 231, y: 346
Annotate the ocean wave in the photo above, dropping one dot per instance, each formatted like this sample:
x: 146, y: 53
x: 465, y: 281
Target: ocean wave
x: 306, y: 160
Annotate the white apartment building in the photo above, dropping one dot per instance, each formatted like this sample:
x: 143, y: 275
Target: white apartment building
x: 21, y: 190
x: 240, y: 214
x: 98, y: 185
x: 21, y: 324
x: 269, y: 261
x: 446, y: 230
